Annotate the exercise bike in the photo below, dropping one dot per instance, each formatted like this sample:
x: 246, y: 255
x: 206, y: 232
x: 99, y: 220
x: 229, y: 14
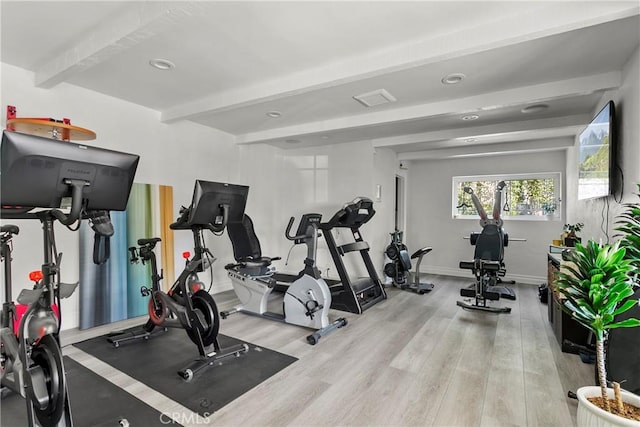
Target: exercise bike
x: 488, y: 265
x: 399, y: 267
x: 31, y: 357
x: 42, y: 179
x: 306, y: 301
x: 187, y: 304
x: 144, y: 254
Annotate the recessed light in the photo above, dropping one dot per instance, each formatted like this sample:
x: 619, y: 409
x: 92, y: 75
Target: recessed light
x: 162, y: 64
x: 470, y: 117
x: 292, y: 141
x: 453, y: 79
x: 534, y: 108
x: 274, y: 114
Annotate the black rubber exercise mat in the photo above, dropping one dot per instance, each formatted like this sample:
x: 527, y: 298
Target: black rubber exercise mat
x: 155, y: 362
x: 94, y: 402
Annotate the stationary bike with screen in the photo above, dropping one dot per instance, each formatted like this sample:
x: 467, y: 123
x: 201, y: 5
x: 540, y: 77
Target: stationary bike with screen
x: 55, y: 177
x: 187, y: 304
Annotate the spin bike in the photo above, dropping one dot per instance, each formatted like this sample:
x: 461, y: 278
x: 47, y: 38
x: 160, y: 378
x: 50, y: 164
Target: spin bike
x: 488, y: 265
x: 187, y: 305
x: 31, y: 356
x: 306, y: 301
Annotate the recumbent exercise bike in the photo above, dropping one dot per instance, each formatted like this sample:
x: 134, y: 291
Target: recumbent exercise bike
x: 306, y: 300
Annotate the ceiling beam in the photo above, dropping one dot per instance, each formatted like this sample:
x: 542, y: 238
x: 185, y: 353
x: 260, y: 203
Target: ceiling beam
x: 482, y: 131
x: 476, y: 103
x: 536, y: 21
x: 484, y: 150
x: 113, y: 37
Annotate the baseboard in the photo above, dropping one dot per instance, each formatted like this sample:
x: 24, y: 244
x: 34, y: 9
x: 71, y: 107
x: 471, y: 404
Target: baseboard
x: 221, y: 286
x: 457, y: 272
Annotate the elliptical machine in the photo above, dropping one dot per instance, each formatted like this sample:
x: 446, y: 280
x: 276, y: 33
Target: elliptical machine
x: 306, y: 301
x: 488, y: 265
x: 399, y: 267
x: 187, y: 305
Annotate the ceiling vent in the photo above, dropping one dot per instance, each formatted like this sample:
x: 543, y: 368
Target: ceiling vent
x: 377, y: 97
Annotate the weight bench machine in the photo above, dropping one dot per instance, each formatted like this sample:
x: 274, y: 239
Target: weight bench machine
x: 488, y: 264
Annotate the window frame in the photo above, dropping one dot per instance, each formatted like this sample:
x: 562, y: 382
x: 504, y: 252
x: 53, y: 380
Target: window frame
x: 556, y: 176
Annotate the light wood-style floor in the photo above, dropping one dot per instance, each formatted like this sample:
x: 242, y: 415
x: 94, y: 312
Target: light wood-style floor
x: 412, y: 360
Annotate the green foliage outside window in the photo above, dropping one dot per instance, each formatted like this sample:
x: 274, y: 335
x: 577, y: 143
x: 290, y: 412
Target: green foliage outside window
x: 520, y: 197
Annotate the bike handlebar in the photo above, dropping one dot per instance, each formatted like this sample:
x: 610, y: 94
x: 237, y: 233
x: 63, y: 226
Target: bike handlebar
x: 76, y: 202
x: 290, y: 237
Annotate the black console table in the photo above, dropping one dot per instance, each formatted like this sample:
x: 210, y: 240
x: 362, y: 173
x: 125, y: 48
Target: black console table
x: 571, y: 335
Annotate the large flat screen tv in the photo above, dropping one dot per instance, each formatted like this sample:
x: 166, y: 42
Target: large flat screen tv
x: 596, y: 151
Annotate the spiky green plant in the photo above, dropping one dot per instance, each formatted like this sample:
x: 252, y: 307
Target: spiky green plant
x: 629, y: 224
x: 597, y: 288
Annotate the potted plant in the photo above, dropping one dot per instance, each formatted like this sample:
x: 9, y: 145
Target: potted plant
x: 629, y: 224
x: 570, y: 236
x: 597, y: 287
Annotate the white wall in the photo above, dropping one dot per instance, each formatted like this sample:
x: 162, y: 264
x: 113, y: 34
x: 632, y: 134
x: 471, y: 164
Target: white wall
x: 173, y: 155
x: 178, y: 154
x: 353, y: 170
x: 429, y: 193
x: 592, y: 212
x: 430, y: 222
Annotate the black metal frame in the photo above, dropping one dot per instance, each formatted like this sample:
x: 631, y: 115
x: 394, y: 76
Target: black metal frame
x: 347, y: 295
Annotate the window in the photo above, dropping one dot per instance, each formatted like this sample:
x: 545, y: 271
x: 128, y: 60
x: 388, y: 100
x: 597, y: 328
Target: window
x: 527, y: 196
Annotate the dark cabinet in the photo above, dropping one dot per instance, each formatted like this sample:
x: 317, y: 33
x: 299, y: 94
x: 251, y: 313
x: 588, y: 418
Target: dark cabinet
x: 571, y: 335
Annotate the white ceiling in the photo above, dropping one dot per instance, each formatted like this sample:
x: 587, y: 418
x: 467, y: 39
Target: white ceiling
x: 237, y: 60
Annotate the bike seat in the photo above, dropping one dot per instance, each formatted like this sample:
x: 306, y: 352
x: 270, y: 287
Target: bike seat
x: 421, y: 252
x: 9, y: 228
x: 257, y: 262
x: 152, y: 241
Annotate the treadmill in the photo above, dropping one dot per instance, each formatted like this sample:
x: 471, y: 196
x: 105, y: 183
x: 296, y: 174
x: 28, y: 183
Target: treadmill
x: 352, y: 295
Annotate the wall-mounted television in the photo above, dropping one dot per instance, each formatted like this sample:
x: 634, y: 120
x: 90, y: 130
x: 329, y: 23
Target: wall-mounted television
x: 597, y: 155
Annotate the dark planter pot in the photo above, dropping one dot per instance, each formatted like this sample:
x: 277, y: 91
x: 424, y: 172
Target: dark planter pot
x: 571, y: 241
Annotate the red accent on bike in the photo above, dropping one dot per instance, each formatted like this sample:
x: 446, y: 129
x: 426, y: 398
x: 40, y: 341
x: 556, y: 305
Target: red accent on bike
x: 21, y: 309
x: 186, y: 255
x: 195, y: 287
x: 35, y: 276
